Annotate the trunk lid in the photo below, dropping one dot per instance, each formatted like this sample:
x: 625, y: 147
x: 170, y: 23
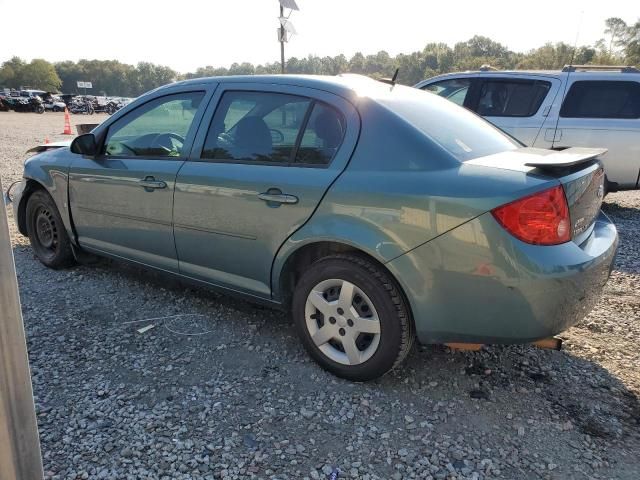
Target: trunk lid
x: 578, y: 170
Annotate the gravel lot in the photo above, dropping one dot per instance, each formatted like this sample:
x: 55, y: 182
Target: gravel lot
x: 226, y: 391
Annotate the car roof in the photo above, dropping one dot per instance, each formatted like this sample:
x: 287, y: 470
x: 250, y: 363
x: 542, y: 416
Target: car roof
x: 343, y: 84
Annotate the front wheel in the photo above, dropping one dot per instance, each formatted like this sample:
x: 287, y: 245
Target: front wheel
x: 46, y: 231
x: 352, y: 317
x: 39, y: 109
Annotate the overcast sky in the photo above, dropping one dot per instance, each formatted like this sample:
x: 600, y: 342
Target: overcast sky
x: 187, y: 34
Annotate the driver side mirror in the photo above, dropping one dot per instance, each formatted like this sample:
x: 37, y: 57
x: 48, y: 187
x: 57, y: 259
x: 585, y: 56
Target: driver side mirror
x: 85, y: 145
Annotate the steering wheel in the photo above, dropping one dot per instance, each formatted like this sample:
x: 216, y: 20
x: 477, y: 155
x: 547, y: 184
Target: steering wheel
x: 163, y: 140
x: 276, y: 135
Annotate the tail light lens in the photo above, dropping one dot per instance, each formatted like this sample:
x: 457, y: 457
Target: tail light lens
x: 540, y: 219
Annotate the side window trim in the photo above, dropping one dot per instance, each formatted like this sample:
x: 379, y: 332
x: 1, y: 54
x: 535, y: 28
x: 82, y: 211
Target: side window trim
x: 345, y: 108
x: 303, y: 129
x: 184, y: 154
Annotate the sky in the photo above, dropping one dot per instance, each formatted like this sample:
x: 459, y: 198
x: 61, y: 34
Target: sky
x: 188, y: 34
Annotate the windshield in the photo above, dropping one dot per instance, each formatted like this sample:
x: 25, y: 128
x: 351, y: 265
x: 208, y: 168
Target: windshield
x: 460, y: 132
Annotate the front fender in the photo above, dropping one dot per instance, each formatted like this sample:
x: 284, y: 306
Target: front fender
x: 49, y: 170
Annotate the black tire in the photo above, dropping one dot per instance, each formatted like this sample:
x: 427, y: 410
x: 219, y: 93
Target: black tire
x: 396, y: 325
x: 46, y: 231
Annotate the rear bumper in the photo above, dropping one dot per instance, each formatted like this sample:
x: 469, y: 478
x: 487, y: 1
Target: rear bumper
x: 479, y: 284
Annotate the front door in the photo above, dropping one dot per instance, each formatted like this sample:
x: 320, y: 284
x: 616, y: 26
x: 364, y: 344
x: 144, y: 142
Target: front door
x: 257, y: 175
x: 122, y: 200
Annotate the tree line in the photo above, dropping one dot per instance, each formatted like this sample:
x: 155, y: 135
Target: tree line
x: 621, y: 45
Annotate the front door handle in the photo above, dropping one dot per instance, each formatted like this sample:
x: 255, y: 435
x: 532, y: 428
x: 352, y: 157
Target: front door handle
x: 150, y: 183
x: 277, y: 197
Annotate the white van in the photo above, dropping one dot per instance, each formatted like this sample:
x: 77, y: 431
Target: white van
x: 580, y: 106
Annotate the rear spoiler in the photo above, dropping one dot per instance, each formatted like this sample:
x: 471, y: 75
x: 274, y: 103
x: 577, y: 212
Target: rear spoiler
x: 556, y: 159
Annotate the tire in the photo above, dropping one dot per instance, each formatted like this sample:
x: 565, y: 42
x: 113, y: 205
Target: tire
x: 46, y: 232
x: 375, y: 298
x: 40, y: 109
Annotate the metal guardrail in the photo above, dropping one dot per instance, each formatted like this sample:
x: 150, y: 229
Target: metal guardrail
x: 19, y: 443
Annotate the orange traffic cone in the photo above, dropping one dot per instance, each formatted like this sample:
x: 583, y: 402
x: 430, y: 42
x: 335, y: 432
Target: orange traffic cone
x: 46, y: 140
x: 67, y: 123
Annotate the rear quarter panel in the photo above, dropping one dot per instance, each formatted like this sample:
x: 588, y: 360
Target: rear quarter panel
x: 401, y: 190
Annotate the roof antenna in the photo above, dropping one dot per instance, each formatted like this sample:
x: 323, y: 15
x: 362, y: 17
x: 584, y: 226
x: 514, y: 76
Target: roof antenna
x: 391, y: 81
x: 566, y: 80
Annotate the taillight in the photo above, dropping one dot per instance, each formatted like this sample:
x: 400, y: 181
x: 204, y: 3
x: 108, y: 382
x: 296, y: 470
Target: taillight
x: 540, y: 219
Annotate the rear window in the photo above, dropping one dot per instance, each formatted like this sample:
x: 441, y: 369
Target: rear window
x: 460, y: 132
x: 602, y: 99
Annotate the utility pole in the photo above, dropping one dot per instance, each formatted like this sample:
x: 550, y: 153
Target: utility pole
x: 286, y: 27
x: 19, y: 443
x: 282, y: 39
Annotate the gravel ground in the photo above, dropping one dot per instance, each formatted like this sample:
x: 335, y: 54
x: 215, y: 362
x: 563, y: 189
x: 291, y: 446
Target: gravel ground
x: 226, y: 391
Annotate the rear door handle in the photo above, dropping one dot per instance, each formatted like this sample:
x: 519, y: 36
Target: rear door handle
x: 150, y: 183
x: 278, y: 198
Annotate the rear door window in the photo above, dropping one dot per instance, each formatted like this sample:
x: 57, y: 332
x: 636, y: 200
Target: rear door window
x: 322, y: 136
x: 511, y: 98
x: 256, y: 127
x: 454, y: 89
x: 602, y: 99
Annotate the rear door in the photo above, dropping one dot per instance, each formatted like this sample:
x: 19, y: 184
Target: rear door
x: 264, y: 157
x: 122, y: 200
x: 517, y: 105
x: 604, y: 113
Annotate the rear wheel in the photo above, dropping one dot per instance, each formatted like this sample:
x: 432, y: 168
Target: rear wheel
x: 46, y: 231
x: 352, y: 318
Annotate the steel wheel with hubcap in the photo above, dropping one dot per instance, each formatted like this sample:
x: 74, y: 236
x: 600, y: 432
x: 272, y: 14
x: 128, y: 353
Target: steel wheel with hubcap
x: 47, y: 234
x: 342, y: 322
x: 351, y: 317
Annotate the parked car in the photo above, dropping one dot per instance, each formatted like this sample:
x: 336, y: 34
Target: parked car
x: 30, y: 93
x: 580, y: 106
x: 25, y: 103
x: 53, y: 103
x: 373, y: 212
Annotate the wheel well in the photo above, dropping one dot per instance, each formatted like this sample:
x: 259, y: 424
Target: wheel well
x: 302, y: 258
x: 31, y: 187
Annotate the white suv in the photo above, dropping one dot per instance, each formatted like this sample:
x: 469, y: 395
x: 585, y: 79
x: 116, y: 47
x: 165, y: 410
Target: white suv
x: 580, y: 106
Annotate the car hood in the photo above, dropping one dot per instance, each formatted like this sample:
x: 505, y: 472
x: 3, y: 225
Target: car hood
x: 49, y: 146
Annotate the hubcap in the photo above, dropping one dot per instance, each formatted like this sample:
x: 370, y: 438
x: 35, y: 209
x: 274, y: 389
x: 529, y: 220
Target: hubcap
x: 342, y: 322
x: 46, y: 230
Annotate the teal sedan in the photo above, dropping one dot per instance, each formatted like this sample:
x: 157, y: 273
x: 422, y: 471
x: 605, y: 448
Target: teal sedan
x: 375, y: 214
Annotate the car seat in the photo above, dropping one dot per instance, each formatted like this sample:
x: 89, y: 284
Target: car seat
x: 252, y: 139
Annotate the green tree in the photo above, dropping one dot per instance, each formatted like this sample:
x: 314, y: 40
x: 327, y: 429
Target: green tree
x: 11, y: 73
x: 615, y: 28
x: 630, y: 43
x: 42, y: 75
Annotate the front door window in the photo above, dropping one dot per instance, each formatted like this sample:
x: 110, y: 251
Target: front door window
x: 156, y: 129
